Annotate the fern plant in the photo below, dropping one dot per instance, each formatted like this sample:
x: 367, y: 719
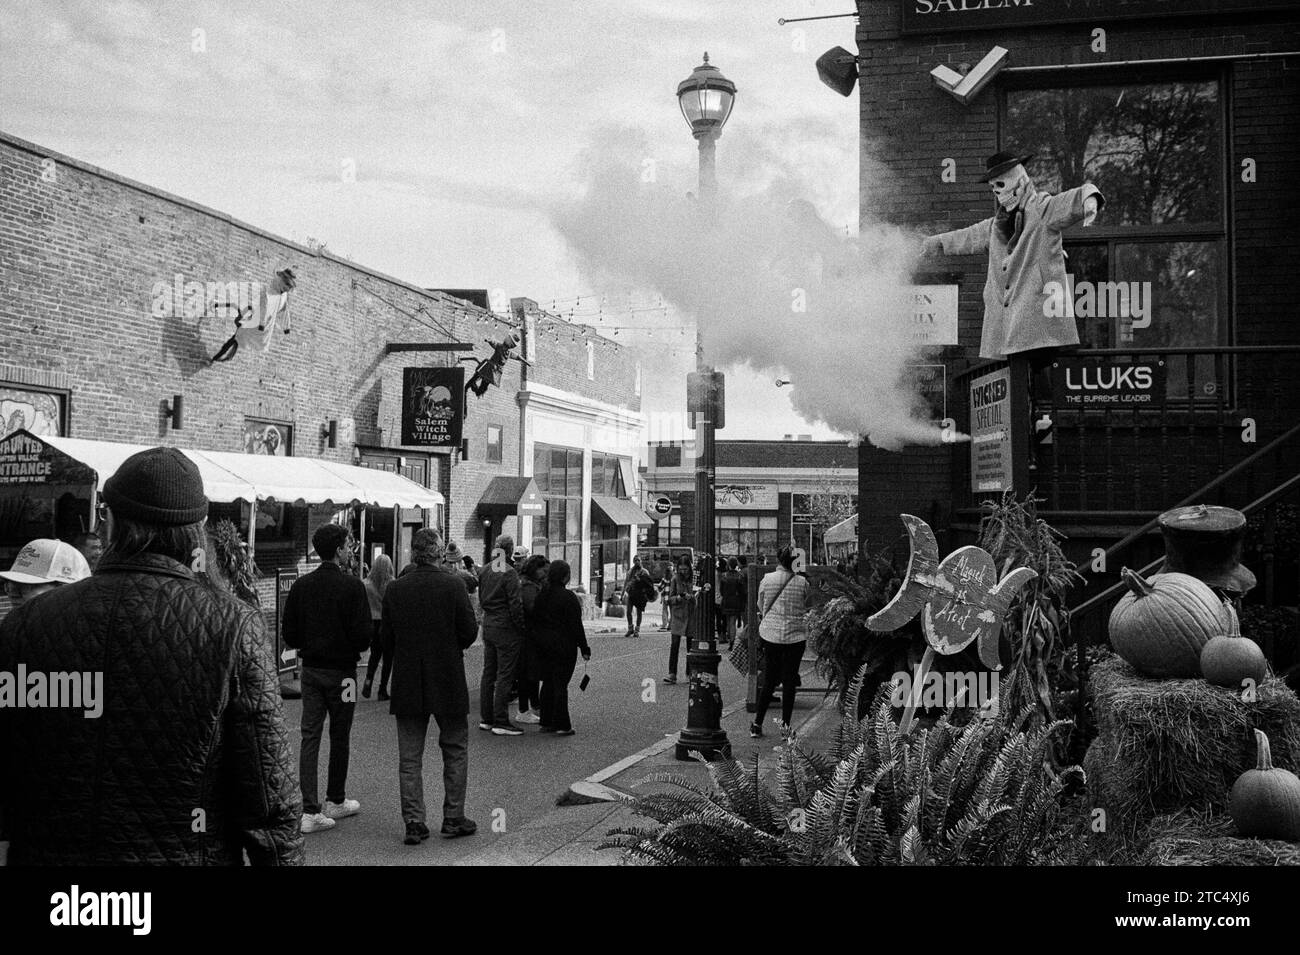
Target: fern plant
x: 983, y: 793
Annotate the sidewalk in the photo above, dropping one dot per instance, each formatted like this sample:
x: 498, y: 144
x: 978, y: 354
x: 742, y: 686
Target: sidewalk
x: 569, y: 835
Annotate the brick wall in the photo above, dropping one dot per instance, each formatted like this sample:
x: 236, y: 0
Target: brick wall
x: 908, y: 127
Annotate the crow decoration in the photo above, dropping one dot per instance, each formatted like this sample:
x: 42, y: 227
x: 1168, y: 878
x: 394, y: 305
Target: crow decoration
x: 488, y: 371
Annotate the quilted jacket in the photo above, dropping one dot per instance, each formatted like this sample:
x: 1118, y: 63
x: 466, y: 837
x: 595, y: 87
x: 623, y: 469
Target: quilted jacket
x: 189, y: 761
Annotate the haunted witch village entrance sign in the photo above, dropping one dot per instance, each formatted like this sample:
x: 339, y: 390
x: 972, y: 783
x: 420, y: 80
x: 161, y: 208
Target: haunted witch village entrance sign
x: 433, y: 407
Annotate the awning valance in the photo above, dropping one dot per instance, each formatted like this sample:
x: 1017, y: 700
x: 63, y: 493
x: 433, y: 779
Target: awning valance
x: 618, y: 511
x: 228, y: 476
x: 512, y: 497
x: 845, y: 532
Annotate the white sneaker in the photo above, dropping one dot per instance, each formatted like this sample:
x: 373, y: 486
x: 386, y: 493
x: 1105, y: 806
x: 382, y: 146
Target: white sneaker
x: 313, y: 822
x: 337, y: 810
x: 528, y: 716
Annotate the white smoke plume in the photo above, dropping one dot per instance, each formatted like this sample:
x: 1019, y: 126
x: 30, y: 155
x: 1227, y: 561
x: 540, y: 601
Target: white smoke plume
x: 773, y: 285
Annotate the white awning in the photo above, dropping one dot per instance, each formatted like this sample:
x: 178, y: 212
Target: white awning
x: 228, y: 476
x: 845, y: 532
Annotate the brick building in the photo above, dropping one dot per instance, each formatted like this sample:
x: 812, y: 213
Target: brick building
x: 89, y: 350
x: 1187, y: 117
x: 768, y: 493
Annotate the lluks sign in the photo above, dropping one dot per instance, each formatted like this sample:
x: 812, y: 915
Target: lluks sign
x: 433, y: 407
x: 941, y: 16
x: 1099, y: 383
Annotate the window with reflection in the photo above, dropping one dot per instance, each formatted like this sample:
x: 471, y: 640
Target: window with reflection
x: 1156, y: 151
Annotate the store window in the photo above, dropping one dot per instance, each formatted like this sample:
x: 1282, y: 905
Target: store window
x: 1156, y: 151
x: 668, y: 456
x: 749, y: 534
x: 40, y: 411
x: 606, y: 475
x: 494, y: 442
x: 670, y: 530
x: 558, y: 473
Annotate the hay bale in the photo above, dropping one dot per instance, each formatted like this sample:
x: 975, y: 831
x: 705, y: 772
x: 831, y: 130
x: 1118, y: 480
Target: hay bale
x: 1168, y: 745
x: 1188, y: 838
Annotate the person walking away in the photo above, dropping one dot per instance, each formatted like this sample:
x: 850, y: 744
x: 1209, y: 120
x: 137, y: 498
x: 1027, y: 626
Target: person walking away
x: 665, y: 583
x: 719, y: 617
x: 192, y: 718
x: 637, y: 592
x: 734, y: 595
x: 427, y: 625
x: 377, y: 581
x: 462, y: 565
x: 783, y: 601
x: 559, y: 636
x: 680, y: 600
x: 327, y: 620
x: 503, y: 635
x: 41, y: 566
x: 532, y: 574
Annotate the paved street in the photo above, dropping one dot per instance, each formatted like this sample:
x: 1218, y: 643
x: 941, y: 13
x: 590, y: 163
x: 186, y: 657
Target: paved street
x: 514, y: 779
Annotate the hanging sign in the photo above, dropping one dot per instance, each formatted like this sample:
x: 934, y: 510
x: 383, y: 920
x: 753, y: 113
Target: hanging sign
x: 433, y: 407
x: 941, y: 16
x: 990, y: 431
x: 1106, y: 383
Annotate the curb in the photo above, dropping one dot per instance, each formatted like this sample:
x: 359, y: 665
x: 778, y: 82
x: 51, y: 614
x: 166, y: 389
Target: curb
x: 594, y: 789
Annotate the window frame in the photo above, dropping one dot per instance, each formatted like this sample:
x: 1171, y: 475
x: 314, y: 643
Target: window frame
x: 500, y: 444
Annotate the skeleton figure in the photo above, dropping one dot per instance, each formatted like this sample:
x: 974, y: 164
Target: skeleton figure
x: 272, y: 303
x: 1026, y: 258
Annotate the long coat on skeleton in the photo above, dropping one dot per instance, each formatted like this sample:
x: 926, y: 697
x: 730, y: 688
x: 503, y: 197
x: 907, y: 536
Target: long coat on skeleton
x: 1023, y: 241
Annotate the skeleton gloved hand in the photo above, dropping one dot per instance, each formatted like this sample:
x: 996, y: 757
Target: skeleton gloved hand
x: 931, y: 245
x: 1089, y: 210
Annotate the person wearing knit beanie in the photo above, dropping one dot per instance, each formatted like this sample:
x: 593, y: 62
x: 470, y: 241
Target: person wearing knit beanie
x: 158, y: 486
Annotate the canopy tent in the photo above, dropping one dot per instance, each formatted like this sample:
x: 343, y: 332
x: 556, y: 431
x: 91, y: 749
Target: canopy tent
x: 845, y: 532
x: 229, y: 476
x: 619, y: 511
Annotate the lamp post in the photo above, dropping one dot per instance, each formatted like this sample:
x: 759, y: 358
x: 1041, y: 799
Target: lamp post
x: 706, y: 98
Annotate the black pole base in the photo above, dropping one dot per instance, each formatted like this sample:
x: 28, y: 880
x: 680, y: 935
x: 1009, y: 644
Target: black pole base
x: 711, y: 746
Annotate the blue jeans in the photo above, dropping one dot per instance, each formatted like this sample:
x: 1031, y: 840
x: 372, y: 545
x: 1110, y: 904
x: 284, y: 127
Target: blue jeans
x: 453, y: 740
x: 322, y: 695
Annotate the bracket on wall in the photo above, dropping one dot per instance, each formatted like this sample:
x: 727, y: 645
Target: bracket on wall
x: 964, y: 89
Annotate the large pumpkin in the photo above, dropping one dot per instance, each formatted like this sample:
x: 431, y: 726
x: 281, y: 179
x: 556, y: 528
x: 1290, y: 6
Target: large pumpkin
x: 1161, y: 625
x: 1232, y: 660
x: 1265, y: 801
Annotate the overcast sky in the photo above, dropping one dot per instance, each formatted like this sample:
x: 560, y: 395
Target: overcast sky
x: 459, y: 117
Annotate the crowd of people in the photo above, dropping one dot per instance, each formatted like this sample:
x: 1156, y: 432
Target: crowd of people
x: 192, y: 762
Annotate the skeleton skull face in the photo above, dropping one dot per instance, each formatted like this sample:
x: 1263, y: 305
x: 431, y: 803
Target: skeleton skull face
x: 1010, y: 187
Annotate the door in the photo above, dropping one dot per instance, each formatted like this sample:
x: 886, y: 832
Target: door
x: 597, y: 574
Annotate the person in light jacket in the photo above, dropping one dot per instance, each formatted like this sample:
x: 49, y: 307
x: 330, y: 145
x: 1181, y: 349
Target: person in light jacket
x: 1025, y: 302
x: 782, y: 603
x: 681, y: 606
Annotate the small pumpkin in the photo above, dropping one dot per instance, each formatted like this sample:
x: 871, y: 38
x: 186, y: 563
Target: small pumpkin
x: 1232, y: 660
x: 1265, y: 801
x: 1162, y: 624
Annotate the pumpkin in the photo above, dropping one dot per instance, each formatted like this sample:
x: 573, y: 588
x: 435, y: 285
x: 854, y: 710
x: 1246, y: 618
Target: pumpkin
x: 1265, y: 801
x: 1232, y: 660
x: 1162, y: 624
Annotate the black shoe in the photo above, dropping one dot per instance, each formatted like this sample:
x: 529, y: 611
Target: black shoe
x: 365, y: 688
x: 547, y: 729
x: 383, y: 695
x: 455, y: 828
x: 755, y: 730
x: 568, y: 732
x: 416, y: 832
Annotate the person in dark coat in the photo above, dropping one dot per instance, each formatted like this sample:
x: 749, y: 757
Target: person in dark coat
x: 559, y: 635
x: 637, y: 591
x: 327, y: 619
x: 427, y: 625
x: 733, y: 596
x: 532, y: 574
x: 503, y: 637
x: 189, y: 717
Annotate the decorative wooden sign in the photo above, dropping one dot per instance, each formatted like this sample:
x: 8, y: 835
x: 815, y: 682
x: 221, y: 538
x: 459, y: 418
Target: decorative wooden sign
x: 960, y: 599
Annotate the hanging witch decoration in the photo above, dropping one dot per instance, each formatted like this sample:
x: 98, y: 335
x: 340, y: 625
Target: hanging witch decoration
x: 1023, y: 242
x: 272, y: 303
x: 960, y: 599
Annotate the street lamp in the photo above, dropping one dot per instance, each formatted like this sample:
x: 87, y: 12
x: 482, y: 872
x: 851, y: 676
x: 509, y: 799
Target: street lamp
x: 706, y: 98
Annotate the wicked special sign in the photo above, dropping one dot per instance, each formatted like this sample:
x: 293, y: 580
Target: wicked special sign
x: 433, y: 407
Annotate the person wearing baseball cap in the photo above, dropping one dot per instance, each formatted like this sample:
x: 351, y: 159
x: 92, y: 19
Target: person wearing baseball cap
x: 41, y: 566
x: 191, y: 716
